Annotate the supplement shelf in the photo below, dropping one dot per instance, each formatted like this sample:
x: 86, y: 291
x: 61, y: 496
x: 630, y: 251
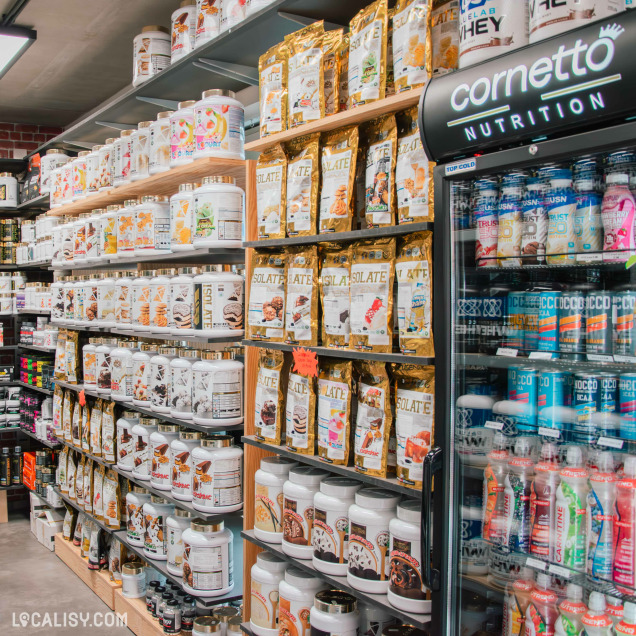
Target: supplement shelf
x: 8, y: 348
x: 138, y: 619
x: 39, y: 389
x: 391, y: 104
x: 79, y: 508
x: 503, y: 362
x: 340, y: 582
x: 356, y: 235
x: 36, y: 312
x: 390, y: 483
x: 343, y: 353
x: 99, y: 460
x: 37, y: 203
x: 13, y: 487
x: 36, y: 348
x: 477, y: 584
x: 54, y: 445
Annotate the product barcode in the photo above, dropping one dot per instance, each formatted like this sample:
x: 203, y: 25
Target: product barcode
x: 535, y: 563
x: 611, y: 442
x: 496, y: 425
x: 549, y: 432
x: 508, y: 353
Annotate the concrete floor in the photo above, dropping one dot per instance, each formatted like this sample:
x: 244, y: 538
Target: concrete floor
x: 33, y: 579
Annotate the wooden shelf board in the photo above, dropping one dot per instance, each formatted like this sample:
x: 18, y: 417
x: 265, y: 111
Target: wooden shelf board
x: 139, y: 620
x: 357, y: 115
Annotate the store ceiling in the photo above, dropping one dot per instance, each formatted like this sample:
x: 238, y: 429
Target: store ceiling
x: 82, y: 56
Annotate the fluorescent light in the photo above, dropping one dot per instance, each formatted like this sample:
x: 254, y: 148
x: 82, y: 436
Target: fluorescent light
x: 14, y: 41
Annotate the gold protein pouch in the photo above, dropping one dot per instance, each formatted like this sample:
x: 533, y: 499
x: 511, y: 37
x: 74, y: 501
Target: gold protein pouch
x: 414, y: 272
x: 109, y: 436
x: 58, y: 409
x: 88, y: 486
x: 411, y: 44
x: 72, y: 356
x: 380, y: 172
x: 60, y: 356
x: 86, y: 428
x: 67, y: 415
x: 76, y: 425
x: 390, y: 79
x: 79, y: 481
x: 96, y: 428
x: 445, y: 35
x: 272, y: 73
x: 110, y: 493
x: 270, y: 396
x: 343, y: 74
x: 414, y: 420
x: 62, y: 463
x: 373, y: 419
x: 98, y: 489
x: 367, y: 54
x: 413, y: 173
x: 71, y: 469
x: 306, y: 75
x: 372, y: 268
x: 266, y: 313
x: 334, y: 411
x: 302, y: 185
x: 331, y: 43
x: 271, y: 175
x: 301, y: 303
x: 338, y: 165
x: 300, y: 412
x: 335, y: 276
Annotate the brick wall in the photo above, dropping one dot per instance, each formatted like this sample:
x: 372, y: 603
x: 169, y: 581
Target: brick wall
x: 25, y: 137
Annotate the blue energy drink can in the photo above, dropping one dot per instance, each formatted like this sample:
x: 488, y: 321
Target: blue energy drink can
x: 531, y: 321
x: 515, y: 320
x: 587, y: 391
x: 527, y: 385
x: 554, y: 389
x: 598, y: 322
x: 572, y: 322
x: 627, y: 405
x: 549, y: 320
x: 623, y: 323
x: 512, y: 381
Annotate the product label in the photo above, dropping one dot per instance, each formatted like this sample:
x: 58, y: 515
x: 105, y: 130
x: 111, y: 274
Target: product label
x: 330, y: 536
x: 217, y: 482
x: 123, y: 294
x: 413, y: 179
x: 135, y: 522
x: 218, y: 305
x: 293, y: 616
x: 160, y: 472
x: 125, y: 446
x: 365, y: 63
x: 561, y: 244
x: 413, y: 428
x: 264, y: 607
x: 414, y: 299
x: 298, y: 305
x: 335, y: 184
x: 181, y: 305
x: 269, y: 199
x: 369, y: 431
x: 218, y: 216
x: 140, y: 456
x: 155, y: 533
x: 181, y: 389
x: 159, y: 377
x: 141, y: 376
x: 181, y: 213
x: 160, y: 145
x: 378, y: 177
x: 268, y: 514
x: 181, y: 461
x: 266, y: 402
x: 182, y: 137
x: 336, y: 301
x: 120, y: 375
x: 159, y: 299
x: 218, y: 395
x: 219, y: 129
x: 370, y: 301
x: 297, y: 410
x: 126, y: 230
x: 174, y: 546
x: 299, y: 194
x: 271, y: 89
x: 332, y: 417
x: 368, y: 547
x: 103, y: 370
x: 304, y: 81
x: 267, y: 300
x: 140, y: 157
x: 405, y: 568
x: 141, y: 304
x: 106, y: 302
x: 298, y: 520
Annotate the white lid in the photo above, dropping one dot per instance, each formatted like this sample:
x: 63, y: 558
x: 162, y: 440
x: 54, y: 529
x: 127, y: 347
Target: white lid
x: 596, y: 602
x: 629, y: 613
x: 618, y: 177
x: 630, y: 466
x: 574, y: 592
x: 574, y: 456
x: 301, y: 579
x: 543, y: 580
x: 340, y: 486
x: 376, y: 499
x: 410, y: 510
x: 277, y: 465
x: 306, y: 475
x: 270, y: 562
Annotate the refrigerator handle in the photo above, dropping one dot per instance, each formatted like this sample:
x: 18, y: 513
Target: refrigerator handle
x: 432, y: 465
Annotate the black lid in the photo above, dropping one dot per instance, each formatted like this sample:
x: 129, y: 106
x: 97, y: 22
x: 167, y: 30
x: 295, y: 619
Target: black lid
x: 172, y: 602
x: 166, y: 595
x: 160, y: 589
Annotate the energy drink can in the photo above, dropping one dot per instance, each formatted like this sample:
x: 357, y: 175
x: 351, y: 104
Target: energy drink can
x: 554, y: 389
x: 526, y: 393
x: 605, y: 422
x: 598, y: 322
x: 627, y: 405
x: 531, y: 321
x: 515, y: 320
x: 512, y: 381
x: 572, y: 322
x: 623, y: 323
x: 548, y: 320
x: 586, y: 402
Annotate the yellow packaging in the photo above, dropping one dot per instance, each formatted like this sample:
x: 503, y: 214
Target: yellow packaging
x: 111, y: 500
x: 343, y: 74
x: 58, y: 410
x: 301, y: 302
x: 271, y: 175
x: 96, y: 428
x: 373, y: 419
x: 338, y: 171
x: 62, y: 465
x: 303, y: 175
x: 414, y: 273
x: 331, y: 42
x: 412, y: 56
x: 72, y: 356
x: 373, y: 263
x: 76, y: 426
x: 98, y: 490
x: 60, y: 356
x: 71, y: 469
x: 269, y: 400
x: 266, y: 311
x: 413, y: 173
x: 300, y: 413
x: 445, y: 35
x: 367, y: 54
x: 67, y: 416
x: 306, y: 96
x: 414, y: 420
x: 335, y: 277
x: 359, y: 197
x: 380, y: 172
x: 334, y: 411
x: 390, y: 80
x: 109, y: 433
x: 272, y: 87
x: 88, y: 486
x: 86, y: 429
x: 79, y: 481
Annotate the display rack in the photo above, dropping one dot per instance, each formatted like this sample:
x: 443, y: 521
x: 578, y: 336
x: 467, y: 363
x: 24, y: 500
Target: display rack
x: 54, y: 445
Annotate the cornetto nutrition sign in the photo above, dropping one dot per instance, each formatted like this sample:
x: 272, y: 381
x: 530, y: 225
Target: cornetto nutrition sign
x: 575, y: 80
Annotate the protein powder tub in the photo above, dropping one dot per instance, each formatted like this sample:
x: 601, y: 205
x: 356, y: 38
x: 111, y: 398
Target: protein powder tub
x: 141, y: 300
x: 269, y: 480
x: 159, y: 386
x: 176, y: 524
x: 180, y: 398
x: 140, y: 144
x: 330, y: 536
x: 79, y: 233
x: 135, y: 501
x: 106, y: 164
x: 51, y: 160
x: 126, y: 229
x: 89, y: 363
x: 133, y: 580
x: 123, y: 150
x: 219, y: 302
x: 80, y: 299
x: 106, y: 301
x: 217, y: 475
x: 125, y: 443
x: 369, y: 518
x: 93, y: 242
x: 296, y: 598
x: 141, y: 374
x: 123, y: 299
x: 182, y: 134
x: 208, y: 23
x: 181, y: 462
x: 160, y: 301
x: 141, y: 442
x: 181, y: 218
x: 219, y: 125
x: 79, y: 175
x: 108, y: 232
x: 266, y: 576
x: 69, y: 300
x: 207, y: 559
x: 92, y: 170
x: 155, y: 513
x: 151, y: 53
x: 217, y: 390
x: 334, y: 614
x: 67, y: 182
x: 153, y: 226
x: 206, y: 625
x: 181, y: 311
x: 160, y: 143
x: 218, y: 213
x: 184, y: 21
x: 374, y: 620
x: 121, y: 370
x: 405, y: 559
x: 103, y: 352
x: 160, y: 467
x: 90, y: 300
x: 298, y: 510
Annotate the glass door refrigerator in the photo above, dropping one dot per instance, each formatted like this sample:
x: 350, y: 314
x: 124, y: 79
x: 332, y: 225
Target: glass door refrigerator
x: 536, y: 339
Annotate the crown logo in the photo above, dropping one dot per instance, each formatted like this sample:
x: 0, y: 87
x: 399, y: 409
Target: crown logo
x: 611, y: 31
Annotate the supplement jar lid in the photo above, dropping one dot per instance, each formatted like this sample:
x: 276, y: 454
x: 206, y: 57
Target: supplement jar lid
x: 130, y: 202
x: 190, y: 435
x: 127, y: 133
x: 335, y: 602
x: 168, y: 351
x: 148, y: 421
x: 126, y: 344
x: 207, y: 625
x: 339, y: 486
x: 234, y: 624
x: 155, y: 27
x: 211, y: 355
x: 84, y: 153
x: 165, y: 114
x: 307, y: 475
x: 192, y: 354
x: 147, y: 346
x: 165, y: 272
x: 183, y: 513
x: 187, y: 3
x: 188, y: 270
x: 402, y: 630
x: 56, y: 151
x: 376, y: 499
x: 146, y: 272
x: 218, y: 441
x: 410, y: 510
x: 143, y: 124
x: 168, y: 428
x: 158, y: 500
x: 277, y: 465
x: 301, y: 579
x: 187, y: 187
x: 188, y: 103
x: 199, y: 525
x: 270, y: 562
x: 111, y: 140
x: 139, y: 489
x: 221, y: 92
x: 97, y: 211
x: 219, y: 179
x: 130, y: 415
x: 132, y: 568
x: 224, y: 614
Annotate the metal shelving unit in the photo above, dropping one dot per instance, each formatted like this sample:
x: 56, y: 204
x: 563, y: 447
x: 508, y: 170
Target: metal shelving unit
x: 34, y: 388
x: 45, y: 442
x: 36, y: 348
x: 75, y: 505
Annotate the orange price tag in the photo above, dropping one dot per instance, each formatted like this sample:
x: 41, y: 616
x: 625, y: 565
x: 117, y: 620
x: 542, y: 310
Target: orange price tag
x: 306, y: 362
x: 82, y: 398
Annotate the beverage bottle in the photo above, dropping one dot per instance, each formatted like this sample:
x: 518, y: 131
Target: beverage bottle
x: 493, y: 494
x: 601, y: 501
x: 595, y: 621
x: 614, y: 609
x: 588, y: 226
x: 625, y: 520
x: 486, y: 221
x: 628, y: 623
x: 549, y: 452
x: 561, y: 206
x: 534, y: 232
x: 509, y: 220
x: 571, y: 503
x: 517, y: 492
x: 617, y: 211
x: 516, y: 600
x: 543, y: 509
x: 571, y: 611
x: 542, y: 612
x: 474, y: 439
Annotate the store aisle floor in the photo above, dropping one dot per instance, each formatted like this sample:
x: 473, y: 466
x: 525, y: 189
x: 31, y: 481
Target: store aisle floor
x: 33, y: 579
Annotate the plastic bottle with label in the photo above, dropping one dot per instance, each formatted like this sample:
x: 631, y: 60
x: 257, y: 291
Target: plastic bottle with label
x: 266, y: 576
x: 493, y: 496
x: 140, y: 145
x: 160, y: 462
x: 543, y: 507
x: 509, y: 224
x: 141, y: 447
x: 182, y: 302
x: 121, y: 381
x: 159, y: 146
x: 561, y: 208
x: 176, y: 524
x: 106, y: 301
x: 618, y: 212
x: 474, y: 548
x: 126, y: 229
x: 614, y: 609
x: 218, y: 213
x: 486, y: 221
x: 181, y: 462
x: 588, y: 225
x: 628, y: 624
x: 517, y: 494
x: 125, y: 441
x: 181, y: 381
x: 595, y: 621
x: 140, y: 302
x: 135, y: 500
x: 152, y: 235
x: 571, y: 611
x: 474, y: 438
x: 624, y: 572
x: 155, y: 513
x: 516, y: 601
x: 182, y: 134
x: 219, y: 125
x: 141, y: 374
x: 219, y: 302
x: 182, y: 218
x: 542, y: 612
x: 160, y: 300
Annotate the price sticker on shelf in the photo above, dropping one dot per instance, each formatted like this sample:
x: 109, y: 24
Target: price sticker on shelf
x: 597, y: 357
x: 549, y: 432
x: 507, y: 353
x: 540, y: 355
x: 559, y: 571
x: 590, y: 258
x: 535, y: 563
x: 625, y: 359
x: 610, y: 442
x: 498, y: 426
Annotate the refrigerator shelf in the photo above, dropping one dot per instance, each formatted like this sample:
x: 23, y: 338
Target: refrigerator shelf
x: 503, y: 362
x: 477, y: 583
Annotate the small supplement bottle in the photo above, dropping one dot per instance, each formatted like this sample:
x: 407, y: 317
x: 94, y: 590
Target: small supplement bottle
x: 369, y: 519
x: 141, y: 300
x: 181, y: 312
x: 207, y: 555
x: 139, y: 161
x: 159, y: 154
x: 159, y: 386
x: 121, y: 370
x: 172, y: 617
x: 141, y: 374
x: 217, y: 486
x: 269, y: 480
x: 182, y: 134
x: 218, y: 213
x: 133, y: 579
x: 334, y: 612
x: 150, y: 591
x: 296, y: 598
x: 181, y: 462
x: 219, y: 299
x: 126, y: 219
x: 122, y: 148
x: 108, y: 225
x: 182, y: 218
x: 219, y: 125
x: 123, y: 299
x: 106, y: 164
x: 298, y: 510
x: 234, y: 625
x: 331, y: 524
x: 156, y: 600
x: 155, y: 513
x: 176, y: 524
x: 188, y: 614
x: 224, y: 615
x: 152, y: 235
x: 180, y: 399
x: 161, y: 467
x: 103, y: 352
x: 106, y: 301
x: 266, y: 576
x: 89, y: 366
x: 204, y: 625
x: 135, y: 528
x: 141, y: 439
x: 125, y: 443
x: 160, y: 301
x: 166, y: 597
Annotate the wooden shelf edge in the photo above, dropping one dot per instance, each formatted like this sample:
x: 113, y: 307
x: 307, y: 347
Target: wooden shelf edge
x: 139, y: 621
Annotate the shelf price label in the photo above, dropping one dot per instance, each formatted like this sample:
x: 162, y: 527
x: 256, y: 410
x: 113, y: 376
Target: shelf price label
x: 559, y: 571
x: 540, y: 355
x: 507, y: 353
x: 549, y: 432
x: 625, y: 359
x: 535, y: 563
x: 497, y: 426
x: 610, y: 442
x: 597, y: 357
x: 590, y: 258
